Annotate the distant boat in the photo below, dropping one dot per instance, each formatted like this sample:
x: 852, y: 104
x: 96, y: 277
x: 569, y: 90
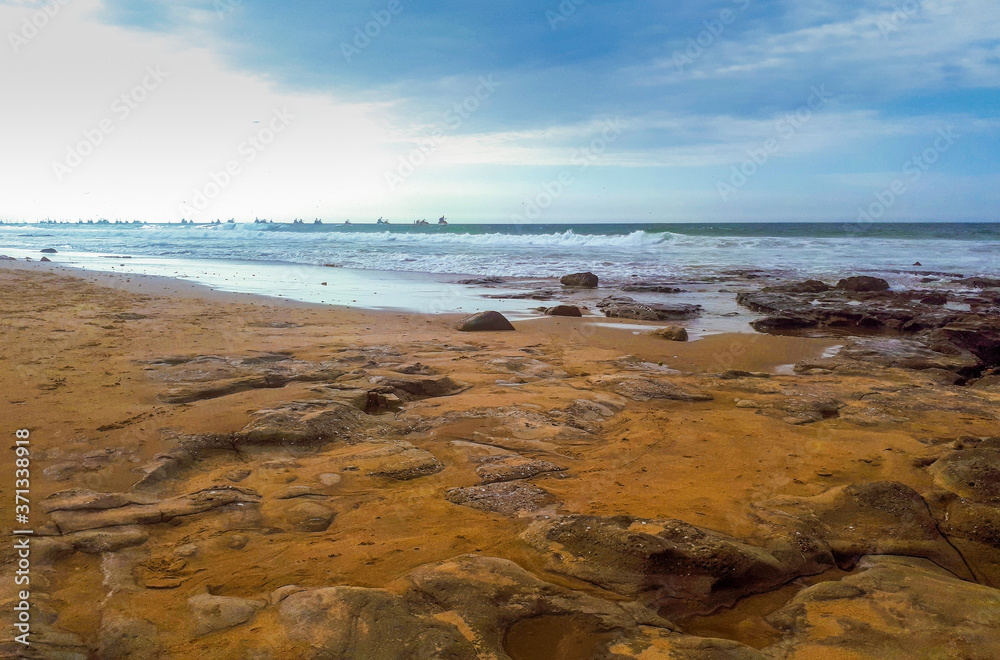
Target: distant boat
x: 421, y: 222
x: 317, y: 221
x: 380, y: 221
x: 442, y: 221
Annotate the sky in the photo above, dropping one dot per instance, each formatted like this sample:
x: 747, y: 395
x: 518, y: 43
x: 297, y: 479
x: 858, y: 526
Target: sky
x: 548, y: 112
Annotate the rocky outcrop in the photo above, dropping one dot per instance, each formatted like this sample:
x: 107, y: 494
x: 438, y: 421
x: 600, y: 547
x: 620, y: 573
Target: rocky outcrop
x: 485, y: 322
x: 77, y: 510
x: 623, y: 307
x: 669, y: 563
x: 874, y: 518
x: 893, y: 608
x: 580, y: 280
x: 929, y: 334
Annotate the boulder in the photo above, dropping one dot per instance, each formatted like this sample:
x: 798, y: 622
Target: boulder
x: 45, y: 259
x: 671, y: 333
x: 49, y: 251
x: 580, y: 280
x: 863, y: 283
x: 485, y: 322
x: 564, y: 310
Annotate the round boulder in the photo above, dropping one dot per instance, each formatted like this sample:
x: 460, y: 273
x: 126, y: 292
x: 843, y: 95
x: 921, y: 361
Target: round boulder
x: 50, y: 251
x: 580, y: 280
x: 485, y: 322
x: 564, y: 310
x: 672, y: 333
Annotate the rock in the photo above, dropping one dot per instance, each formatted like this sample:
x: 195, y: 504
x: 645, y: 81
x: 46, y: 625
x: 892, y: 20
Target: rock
x: 215, y: 613
x: 81, y: 512
x: 45, y: 259
x: 580, y: 280
x: 307, y: 516
x: 507, y: 498
x: 979, y: 282
x: 564, y: 310
x: 650, y: 288
x: 112, y: 539
x: 304, y: 424
x: 492, y: 595
x: 510, y: 467
x: 671, y: 333
x: 970, y: 473
x: 892, y: 608
x: 863, y: 283
x: 934, y: 299
x: 329, y: 478
x: 808, y: 286
x: 672, y: 565
x: 49, y: 251
x: 882, y: 517
x: 624, y: 307
x: 354, y: 622
x: 281, y: 593
x: 485, y: 322
x: 122, y: 638
x: 638, y: 388
x: 481, y: 281
x: 423, y: 386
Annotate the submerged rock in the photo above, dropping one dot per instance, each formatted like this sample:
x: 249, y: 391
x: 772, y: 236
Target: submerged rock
x: 485, y: 322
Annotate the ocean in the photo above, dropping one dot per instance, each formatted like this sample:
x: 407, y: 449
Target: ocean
x: 286, y: 259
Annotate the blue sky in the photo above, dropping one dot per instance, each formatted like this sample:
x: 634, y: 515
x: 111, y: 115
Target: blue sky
x: 741, y: 110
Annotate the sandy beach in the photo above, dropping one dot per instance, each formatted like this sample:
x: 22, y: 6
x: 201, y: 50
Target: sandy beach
x: 230, y: 476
